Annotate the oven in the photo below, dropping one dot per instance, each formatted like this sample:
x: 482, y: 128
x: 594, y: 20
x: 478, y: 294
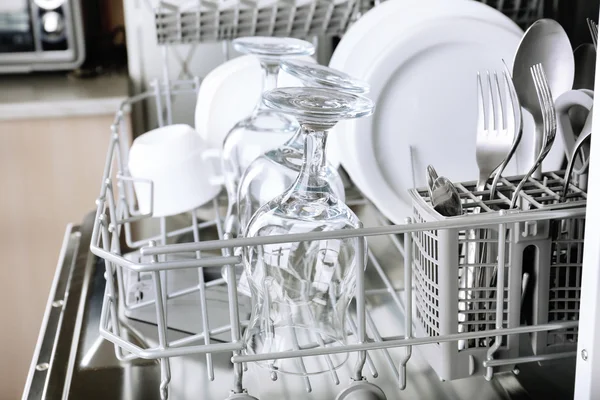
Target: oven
x: 40, y: 35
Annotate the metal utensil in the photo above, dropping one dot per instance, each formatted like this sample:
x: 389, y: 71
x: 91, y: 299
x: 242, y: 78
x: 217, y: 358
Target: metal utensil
x: 444, y: 195
x: 512, y: 105
x: 586, y: 132
x: 544, y: 42
x: 544, y: 93
x: 494, y: 137
x: 572, y: 100
x: 593, y: 27
x: 432, y: 176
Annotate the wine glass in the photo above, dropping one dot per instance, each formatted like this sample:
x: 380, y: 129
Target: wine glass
x: 264, y: 129
x: 301, y: 291
x: 273, y: 172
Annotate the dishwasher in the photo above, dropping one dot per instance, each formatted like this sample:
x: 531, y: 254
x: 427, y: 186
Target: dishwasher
x: 139, y: 309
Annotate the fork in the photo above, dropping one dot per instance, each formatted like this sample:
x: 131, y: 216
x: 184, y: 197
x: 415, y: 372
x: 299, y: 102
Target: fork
x: 494, y: 136
x: 549, y: 119
x: 593, y: 27
x: 514, y: 122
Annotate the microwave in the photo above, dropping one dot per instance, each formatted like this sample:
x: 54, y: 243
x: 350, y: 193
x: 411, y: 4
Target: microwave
x: 40, y: 35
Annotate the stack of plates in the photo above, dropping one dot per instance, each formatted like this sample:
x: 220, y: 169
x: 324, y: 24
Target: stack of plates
x: 421, y: 58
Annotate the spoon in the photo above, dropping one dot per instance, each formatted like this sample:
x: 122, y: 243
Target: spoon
x: 545, y: 42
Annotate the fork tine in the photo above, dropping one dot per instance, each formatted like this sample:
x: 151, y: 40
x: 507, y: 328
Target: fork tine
x: 491, y: 122
x: 498, y: 103
x: 550, y: 103
x: 510, y: 104
x: 535, y: 74
x: 480, y: 106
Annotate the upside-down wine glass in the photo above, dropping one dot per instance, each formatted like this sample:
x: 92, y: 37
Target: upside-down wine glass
x: 264, y: 129
x: 302, y: 290
x: 275, y: 171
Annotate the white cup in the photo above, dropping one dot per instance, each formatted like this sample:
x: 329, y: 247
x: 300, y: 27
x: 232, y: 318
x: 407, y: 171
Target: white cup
x: 171, y: 171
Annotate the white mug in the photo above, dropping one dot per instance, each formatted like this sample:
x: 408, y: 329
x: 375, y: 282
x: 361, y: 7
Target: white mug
x: 171, y: 171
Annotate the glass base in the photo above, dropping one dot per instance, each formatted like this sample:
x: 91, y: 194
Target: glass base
x: 288, y: 338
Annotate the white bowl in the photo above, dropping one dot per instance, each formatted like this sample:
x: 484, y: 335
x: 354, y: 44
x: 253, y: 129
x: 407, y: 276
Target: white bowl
x: 172, y: 171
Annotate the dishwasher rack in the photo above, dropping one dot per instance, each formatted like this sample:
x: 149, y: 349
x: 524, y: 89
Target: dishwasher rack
x: 210, y: 21
x: 112, y: 240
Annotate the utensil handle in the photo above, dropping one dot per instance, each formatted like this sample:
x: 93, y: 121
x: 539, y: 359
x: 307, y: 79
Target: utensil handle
x: 538, y: 144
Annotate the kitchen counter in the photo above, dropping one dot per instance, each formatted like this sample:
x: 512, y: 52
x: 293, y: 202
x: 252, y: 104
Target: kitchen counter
x: 59, y: 95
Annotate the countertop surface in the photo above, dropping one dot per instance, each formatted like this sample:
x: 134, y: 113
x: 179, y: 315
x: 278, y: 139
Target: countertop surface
x: 59, y: 95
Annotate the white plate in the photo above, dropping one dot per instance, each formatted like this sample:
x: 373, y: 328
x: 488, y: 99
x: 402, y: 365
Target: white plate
x: 433, y: 121
x: 381, y: 26
x: 377, y: 155
x: 228, y: 94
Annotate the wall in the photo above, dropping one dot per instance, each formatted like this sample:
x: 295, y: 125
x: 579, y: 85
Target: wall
x: 51, y: 171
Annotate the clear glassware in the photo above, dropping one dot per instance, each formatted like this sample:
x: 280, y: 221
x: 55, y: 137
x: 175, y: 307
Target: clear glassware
x: 301, y: 291
x: 264, y: 129
x: 273, y: 172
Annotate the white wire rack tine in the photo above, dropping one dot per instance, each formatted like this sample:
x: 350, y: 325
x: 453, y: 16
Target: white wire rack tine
x: 386, y: 281
x: 299, y: 360
x: 164, y: 274
x: 114, y: 246
x: 360, y: 307
x: 378, y: 338
x: 218, y: 220
x: 202, y: 293
x: 397, y: 244
x: 161, y: 321
x: 407, y: 305
x: 328, y: 361
x: 166, y: 83
x: 234, y: 314
x: 110, y: 285
x: 499, y: 295
x: 370, y: 363
x: 411, y: 154
x: 158, y: 102
x: 384, y: 221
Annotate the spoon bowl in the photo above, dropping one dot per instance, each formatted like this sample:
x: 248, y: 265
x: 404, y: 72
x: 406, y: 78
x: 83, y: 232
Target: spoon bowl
x: 545, y: 42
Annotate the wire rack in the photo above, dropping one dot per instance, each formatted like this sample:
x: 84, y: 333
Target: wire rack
x: 457, y: 273
x: 151, y: 259
x: 211, y: 21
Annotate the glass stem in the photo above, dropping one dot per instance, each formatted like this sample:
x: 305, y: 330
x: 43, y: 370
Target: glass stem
x: 270, y: 71
x: 313, y: 174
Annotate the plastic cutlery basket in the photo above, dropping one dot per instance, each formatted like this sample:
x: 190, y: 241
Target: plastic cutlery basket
x: 456, y: 272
